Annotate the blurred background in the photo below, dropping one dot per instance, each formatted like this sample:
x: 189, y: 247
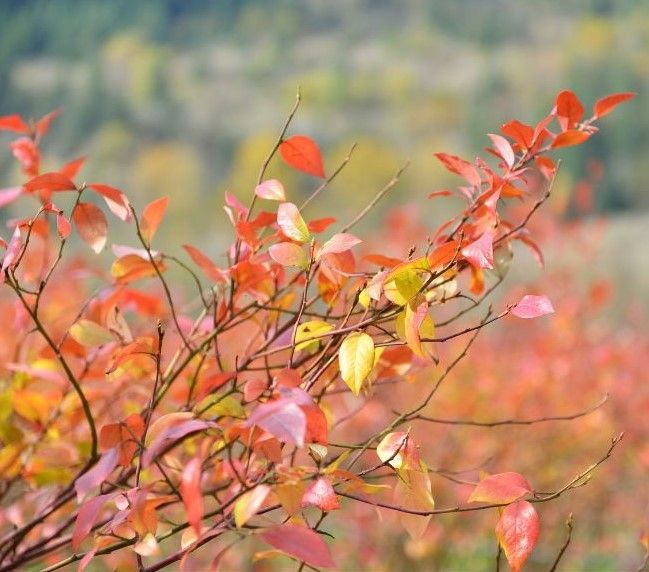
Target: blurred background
x: 186, y: 97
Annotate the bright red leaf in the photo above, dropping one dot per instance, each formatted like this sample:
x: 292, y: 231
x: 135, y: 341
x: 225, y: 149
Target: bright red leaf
x: 302, y: 153
x: 605, y: 105
x: 152, y: 217
x: 191, y: 493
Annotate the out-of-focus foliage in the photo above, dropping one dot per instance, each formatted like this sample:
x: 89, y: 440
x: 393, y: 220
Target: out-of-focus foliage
x: 206, y: 80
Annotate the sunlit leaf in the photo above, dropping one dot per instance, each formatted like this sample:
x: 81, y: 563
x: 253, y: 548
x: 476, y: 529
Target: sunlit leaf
x: 292, y: 224
x: 249, y: 503
x: 302, y: 153
x: 356, y: 360
x: 518, y: 532
x: 91, y: 225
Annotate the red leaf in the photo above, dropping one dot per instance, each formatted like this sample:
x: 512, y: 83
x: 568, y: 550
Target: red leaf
x: 320, y: 224
x: 569, y: 138
x: 605, y: 105
x: 88, y: 515
x: 97, y: 474
x: 322, y: 495
x: 49, y: 182
x: 301, y: 543
x: 460, y: 167
x: 13, y: 123
x: 115, y: 200
x: 533, y: 307
x: 190, y: 491
x: 152, y: 217
x: 271, y: 189
x: 71, y: 169
x: 211, y: 270
x: 518, y: 532
x: 43, y: 124
x: 91, y: 225
x: 520, y: 132
x: 480, y: 252
x: 302, y: 153
x: 569, y: 110
x: 502, y: 488
x: 282, y: 418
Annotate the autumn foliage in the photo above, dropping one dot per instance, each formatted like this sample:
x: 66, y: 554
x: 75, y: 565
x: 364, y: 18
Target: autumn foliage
x: 139, y: 424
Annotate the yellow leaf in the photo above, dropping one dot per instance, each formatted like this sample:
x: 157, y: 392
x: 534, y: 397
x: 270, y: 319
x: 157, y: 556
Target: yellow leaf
x: 356, y: 360
x: 307, y: 331
x: 249, y: 503
x: 290, y: 495
x: 32, y: 405
x: 403, y: 287
x: 90, y: 334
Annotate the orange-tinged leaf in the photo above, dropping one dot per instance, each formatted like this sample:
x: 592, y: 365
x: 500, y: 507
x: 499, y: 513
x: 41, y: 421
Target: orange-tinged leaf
x: 13, y: 123
x: 501, y: 488
x: 191, y: 493
x: 211, y: 270
x: 460, y: 167
x: 381, y: 260
x: 49, y: 182
x: 320, y: 224
x: 301, y: 543
x: 302, y: 153
x: 288, y: 254
x: 520, y: 132
x: 115, y: 200
x: 71, y: 168
x: 570, y: 138
x: 32, y: 405
x: 397, y: 450
x: 271, y: 190
x: 606, y: 104
x: 86, y: 518
x: 569, y: 110
x: 133, y: 267
x: 291, y: 223
x: 43, y: 124
x: 91, y: 225
x: 152, y: 217
x: 290, y: 496
x: 249, y: 503
x: 518, y: 532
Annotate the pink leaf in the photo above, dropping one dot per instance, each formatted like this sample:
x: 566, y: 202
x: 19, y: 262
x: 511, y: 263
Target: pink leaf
x: 88, y: 515
x: 190, y: 491
x: 533, y: 307
x: 501, y: 488
x: 271, y: 189
x: 97, y: 474
x: 9, y: 195
x: 341, y: 242
x: 288, y: 254
x: 518, y: 532
x: 282, y: 418
x: 171, y: 436
x: 480, y: 252
x: 322, y: 495
x: 301, y: 543
x: 504, y: 149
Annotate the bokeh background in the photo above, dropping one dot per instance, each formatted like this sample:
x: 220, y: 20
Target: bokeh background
x: 185, y: 97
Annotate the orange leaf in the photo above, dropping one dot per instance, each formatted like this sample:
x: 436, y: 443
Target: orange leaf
x: 91, y: 225
x: 190, y: 491
x: 605, y: 105
x: 302, y: 153
x: 115, y: 200
x: 152, y: 217
x: 569, y: 138
x: 569, y: 110
x: 49, y: 182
